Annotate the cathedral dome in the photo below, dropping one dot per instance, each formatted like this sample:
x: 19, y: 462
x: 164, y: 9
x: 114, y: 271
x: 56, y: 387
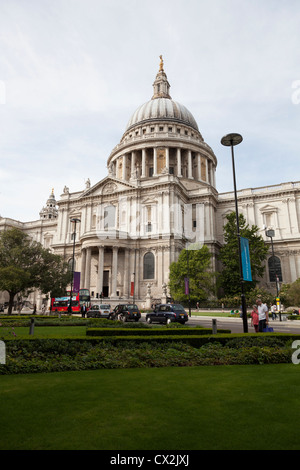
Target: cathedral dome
x: 162, y: 109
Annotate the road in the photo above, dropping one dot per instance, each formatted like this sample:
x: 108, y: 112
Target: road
x: 236, y: 324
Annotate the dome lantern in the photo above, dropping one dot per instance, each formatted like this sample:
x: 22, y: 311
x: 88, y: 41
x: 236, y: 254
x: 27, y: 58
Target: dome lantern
x: 161, y: 85
x: 50, y: 211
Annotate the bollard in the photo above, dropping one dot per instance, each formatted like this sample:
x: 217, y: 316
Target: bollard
x: 31, y: 328
x: 214, y: 326
x: 2, y: 353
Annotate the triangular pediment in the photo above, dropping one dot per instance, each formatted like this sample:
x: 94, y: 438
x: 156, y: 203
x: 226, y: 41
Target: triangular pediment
x: 268, y: 208
x: 149, y: 200
x: 108, y: 185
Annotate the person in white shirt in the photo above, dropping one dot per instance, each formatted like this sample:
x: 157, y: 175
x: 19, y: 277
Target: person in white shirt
x: 263, y: 315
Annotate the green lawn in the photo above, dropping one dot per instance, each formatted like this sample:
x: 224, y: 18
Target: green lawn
x: 230, y: 407
x: 211, y: 314
x: 44, y: 331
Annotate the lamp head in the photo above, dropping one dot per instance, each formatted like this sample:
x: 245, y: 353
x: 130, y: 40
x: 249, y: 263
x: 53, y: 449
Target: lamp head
x: 231, y: 140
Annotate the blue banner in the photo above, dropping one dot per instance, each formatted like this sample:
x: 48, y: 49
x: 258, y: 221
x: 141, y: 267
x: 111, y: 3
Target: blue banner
x: 246, y: 264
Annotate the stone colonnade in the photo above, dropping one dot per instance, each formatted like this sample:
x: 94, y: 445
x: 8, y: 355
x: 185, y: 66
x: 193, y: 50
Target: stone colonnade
x: 105, y: 275
x: 111, y: 269
x: 152, y: 161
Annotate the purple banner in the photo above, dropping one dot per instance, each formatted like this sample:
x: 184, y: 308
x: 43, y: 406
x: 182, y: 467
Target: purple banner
x: 186, y: 285
x: 76, y: 282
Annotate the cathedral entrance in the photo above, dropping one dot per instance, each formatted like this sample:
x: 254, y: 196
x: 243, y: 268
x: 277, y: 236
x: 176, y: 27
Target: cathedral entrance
x: 105, y: 287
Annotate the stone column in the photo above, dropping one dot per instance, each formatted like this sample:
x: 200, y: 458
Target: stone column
x: 60, y: 223
x: 83, y: 218
x: 88, y: 218
x: 133, y: 168
x: 154, y: 161
x: 88, y: 267
x: 200, y: 218
x: 114, y: 270
x: 137, y: 275
x: 143, y: 163
x: 293, y: 215
x: 126, y: 274
x: 131, y: 267
x: 100, y: 269
x: 179, y: 162
x: 83, y: 263
x: 124, y: 168
x: 190, y: 170
x: 167, y: 160
x: 199, y: 166
x: 293, y: 267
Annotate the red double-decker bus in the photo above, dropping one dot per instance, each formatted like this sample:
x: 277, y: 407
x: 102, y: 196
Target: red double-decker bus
x: 61, y: 304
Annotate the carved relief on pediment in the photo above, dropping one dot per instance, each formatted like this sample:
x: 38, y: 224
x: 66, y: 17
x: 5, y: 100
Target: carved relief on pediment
x: 109, y: 188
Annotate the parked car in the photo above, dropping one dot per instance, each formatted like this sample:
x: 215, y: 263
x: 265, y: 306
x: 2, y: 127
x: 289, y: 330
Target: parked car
x: 125, y: 312
x: 167, y: 313
x: 99, y: 311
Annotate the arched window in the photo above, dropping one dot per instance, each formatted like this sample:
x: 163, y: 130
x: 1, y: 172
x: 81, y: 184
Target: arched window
x: 274, y: 266
x: 149, y: 266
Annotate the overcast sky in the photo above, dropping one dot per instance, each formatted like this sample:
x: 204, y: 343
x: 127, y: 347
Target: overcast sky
x: 72, y: 72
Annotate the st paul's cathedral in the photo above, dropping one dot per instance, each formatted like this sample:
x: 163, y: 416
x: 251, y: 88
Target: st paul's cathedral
x: 158, y: 197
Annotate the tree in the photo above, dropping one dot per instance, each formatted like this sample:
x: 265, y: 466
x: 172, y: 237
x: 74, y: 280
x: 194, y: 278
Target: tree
x: 229, y: 279
x: 194, y: 264
x: 25, y: 265
x: 293, y: 293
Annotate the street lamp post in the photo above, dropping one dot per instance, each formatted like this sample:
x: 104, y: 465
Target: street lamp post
x: 271, y: 233
x: 188, y: 275
x: 230, y: 140
x: 75, y: 221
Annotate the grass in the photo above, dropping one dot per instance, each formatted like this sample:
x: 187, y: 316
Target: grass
x: 44, y: 331
x: 230, y: 407
x: 212, y: 314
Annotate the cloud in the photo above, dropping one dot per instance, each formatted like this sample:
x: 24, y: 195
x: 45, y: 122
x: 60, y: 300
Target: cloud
x: 74, y: 73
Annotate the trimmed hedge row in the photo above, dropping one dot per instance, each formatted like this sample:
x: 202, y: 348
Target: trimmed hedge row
x: 36, y: 354
x: 55, y: 354
x: 151, y: 332
x: 236, y: 340
x: 68, y: 321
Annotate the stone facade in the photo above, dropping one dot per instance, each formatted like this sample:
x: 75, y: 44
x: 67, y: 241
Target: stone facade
x: 159, y: 195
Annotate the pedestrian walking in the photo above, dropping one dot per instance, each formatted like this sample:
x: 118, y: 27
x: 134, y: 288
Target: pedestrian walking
x: 273, y: 311
x: 263, y: 315
x: 83, y: 310
x: 254, y: 318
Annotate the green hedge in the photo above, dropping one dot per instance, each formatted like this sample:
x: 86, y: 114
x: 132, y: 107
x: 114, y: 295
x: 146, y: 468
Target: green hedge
x: 152, y: 332
x: 235, y: 341
x: 32, y: 355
